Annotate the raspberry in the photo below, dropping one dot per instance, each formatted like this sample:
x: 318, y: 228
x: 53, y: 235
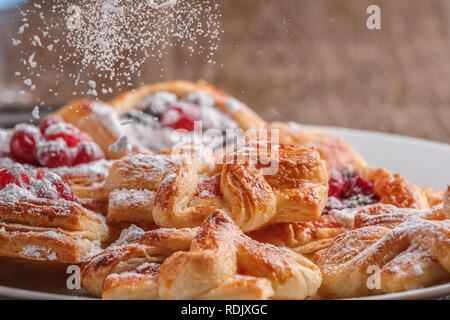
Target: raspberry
x: 23, y: 143
x: 88, y: 152
x: 52, y: 154
x: 181, y: 116
x: 49, y: 121
x: 40, y: 174
x: 67, y: 132
x: 20, y: 179
x: 336, y: 183
x: 357, y: 186
x: 64, y: 191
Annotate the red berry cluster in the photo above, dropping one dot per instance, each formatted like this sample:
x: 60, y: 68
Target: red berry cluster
x: 56, y: 144
x: 24, y: 180
x: 181, y: 116
x: 350, y: 191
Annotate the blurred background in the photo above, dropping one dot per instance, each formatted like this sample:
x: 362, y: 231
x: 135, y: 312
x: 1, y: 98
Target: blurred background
x: 312, y: 62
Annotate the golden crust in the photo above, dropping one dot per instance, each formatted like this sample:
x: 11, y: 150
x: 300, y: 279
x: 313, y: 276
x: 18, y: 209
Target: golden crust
x: 177, y: 190
x: 334, y: 150
x: 394, y: 189
x: 407, y: 248
x: 305, y: 237
x: 220, y: 253
x: 218, y: 263
x: 50, y: 230
x: 130, y: 267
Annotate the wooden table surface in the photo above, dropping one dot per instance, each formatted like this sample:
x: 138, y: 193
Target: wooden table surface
x: 313, y: 62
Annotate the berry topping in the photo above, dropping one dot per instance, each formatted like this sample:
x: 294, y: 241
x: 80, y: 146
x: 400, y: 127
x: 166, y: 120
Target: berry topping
x: 23, y: 143
x: 67, y: 132
x: 181, y: 116
x: 88, y: 152
x: 357, y: 186
x: 49, y: 121
x: 64, y: 191
x: 336, y: 183
x: 347, y: 190
x: 18, y: 178
x: 20, y: 183
x: 52, y: 154
x: 56, y: 144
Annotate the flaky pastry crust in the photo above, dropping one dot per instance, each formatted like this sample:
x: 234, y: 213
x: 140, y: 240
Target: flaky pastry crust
x: 219, y: 262
x: 177, y: 190
x: 50, y: 230
x: 388, y: 250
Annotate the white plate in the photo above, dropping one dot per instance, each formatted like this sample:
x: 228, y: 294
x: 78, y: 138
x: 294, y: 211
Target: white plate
x: 424, y: 163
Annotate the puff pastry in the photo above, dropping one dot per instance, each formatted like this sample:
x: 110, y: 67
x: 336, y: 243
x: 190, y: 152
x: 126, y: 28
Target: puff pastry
x: 219, y: 263
x: 337, y: 152
x: 388, y: 250
x: 311, y: 236
x: 38, y: 228
x: 175, y: 190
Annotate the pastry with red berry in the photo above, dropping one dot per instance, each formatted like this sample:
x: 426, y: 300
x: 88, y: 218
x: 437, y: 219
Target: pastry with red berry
x: 58, y: 147
x: 41, y: 218
x: 157, y: 117
x: 347, y: 189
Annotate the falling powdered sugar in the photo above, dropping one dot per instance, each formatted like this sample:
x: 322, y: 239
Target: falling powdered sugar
x: 111, y: 39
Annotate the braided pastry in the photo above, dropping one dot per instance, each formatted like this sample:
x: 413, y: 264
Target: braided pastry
x: 175, y: 190
x: 220, y: 263
x: 406, y: 248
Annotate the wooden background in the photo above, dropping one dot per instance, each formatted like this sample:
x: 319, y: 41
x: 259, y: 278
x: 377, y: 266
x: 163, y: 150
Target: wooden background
x: 310, y: 61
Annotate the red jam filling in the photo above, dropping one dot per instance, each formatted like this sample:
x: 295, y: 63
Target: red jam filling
x: 348, y: 190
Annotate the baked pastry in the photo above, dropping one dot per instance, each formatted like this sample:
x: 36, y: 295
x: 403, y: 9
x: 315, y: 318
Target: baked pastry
x: 388, y: 250
x: 336, y: 151
x: 179, y: 189
x: 41, y: 219
x: 129, y: 269
x: 349, y: 189
x: 389, y: 188
x: 57, y: 147
x: 219, y: 263
x: 156, y: 117
x: 305, y: 237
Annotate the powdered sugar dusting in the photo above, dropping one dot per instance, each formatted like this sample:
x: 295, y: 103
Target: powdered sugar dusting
x: 38, y: 253
x: 114, y: 37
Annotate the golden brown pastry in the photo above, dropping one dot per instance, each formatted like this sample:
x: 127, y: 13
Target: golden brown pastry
x: 398, y: 191
x: 389, y: 250
x: 41, y: 219
x: 381, y: 187
x: 306, y: 237
x: 334, y: 150
x: 220, y: 263
x: 129, y: 269
x: 392, y: 188
x: 177, y: 190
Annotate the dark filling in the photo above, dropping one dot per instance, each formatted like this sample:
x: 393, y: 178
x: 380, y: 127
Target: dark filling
x: 349, y: 190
